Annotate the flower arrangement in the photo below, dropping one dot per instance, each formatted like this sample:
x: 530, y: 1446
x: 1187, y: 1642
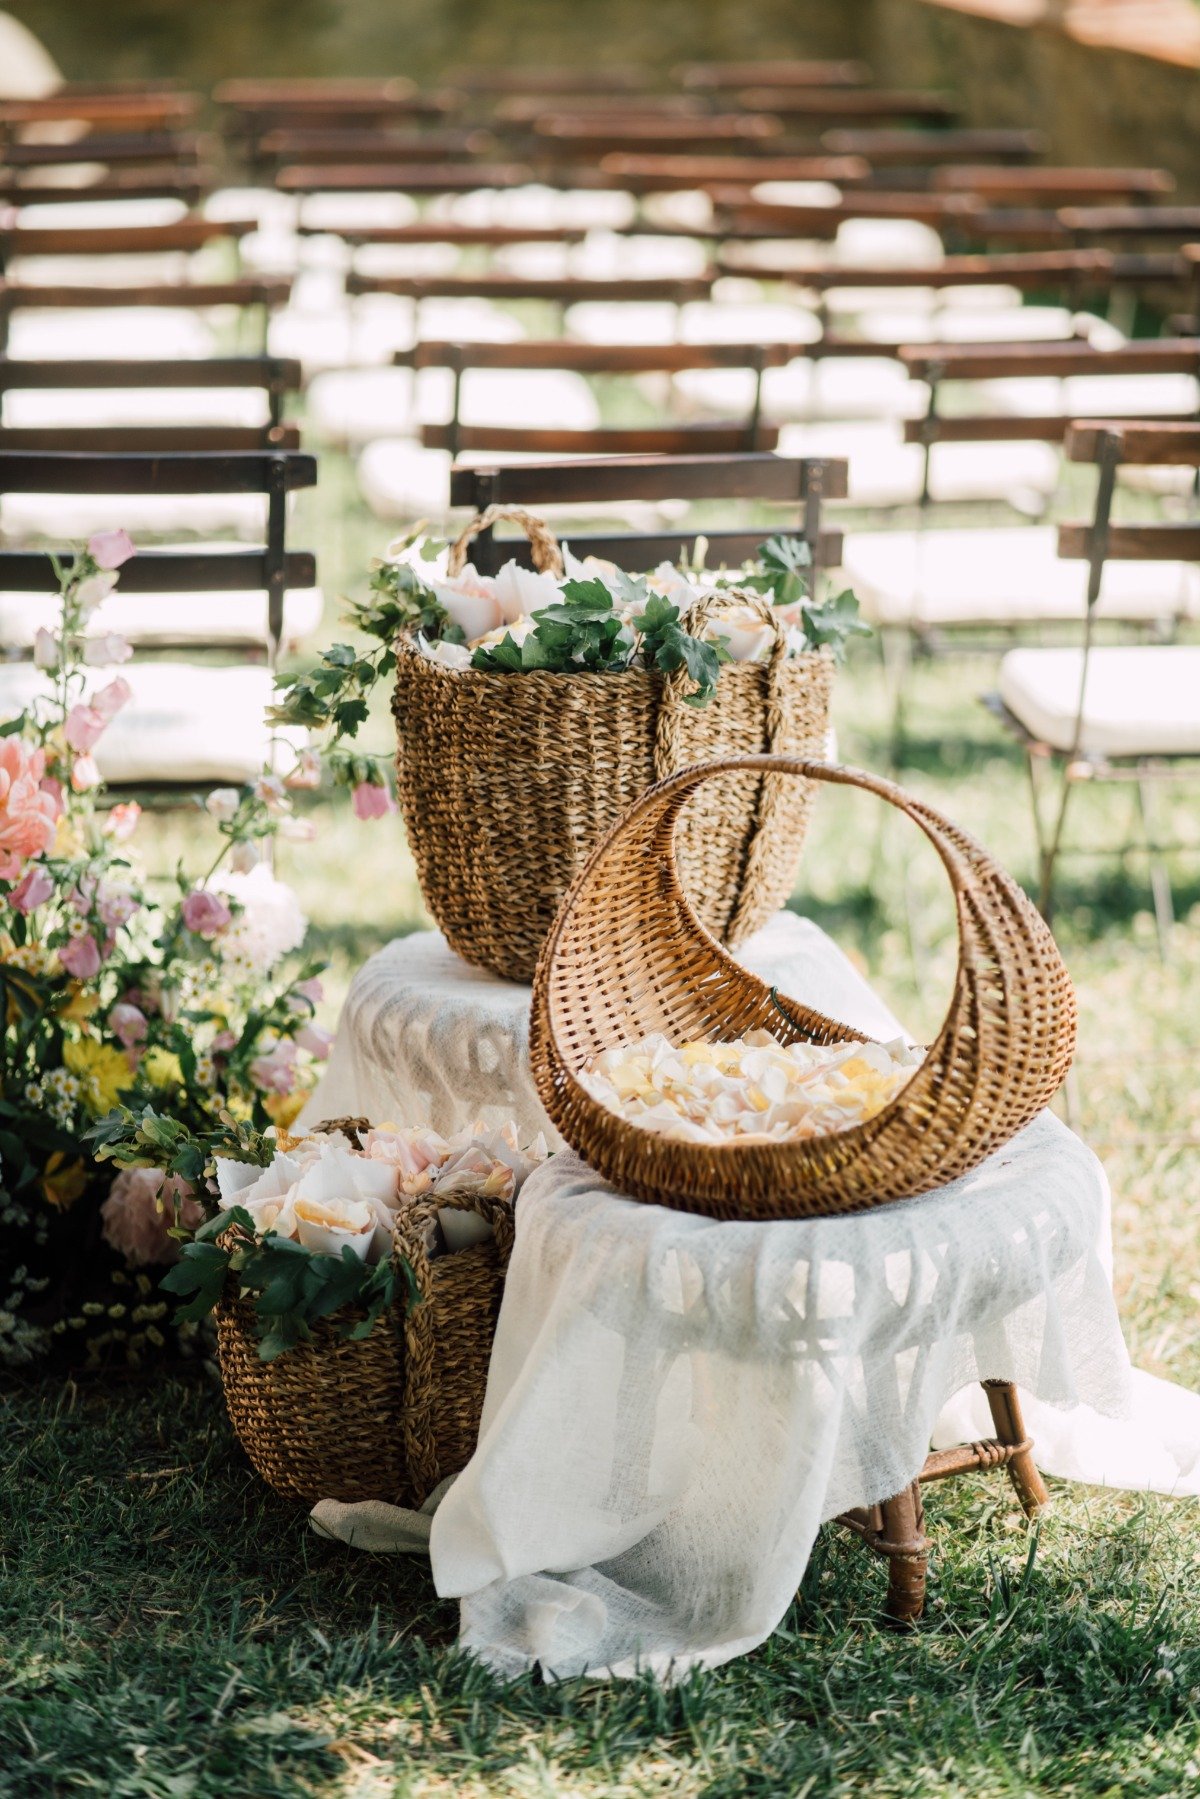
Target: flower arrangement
x: 305, y: 1224
x: 186, y: 997
x: 596, y: 619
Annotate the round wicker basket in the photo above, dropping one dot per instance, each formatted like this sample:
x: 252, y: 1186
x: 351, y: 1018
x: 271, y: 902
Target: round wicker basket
x: 390, y: 1416
x: 507, y: 782
x: 629, y: 956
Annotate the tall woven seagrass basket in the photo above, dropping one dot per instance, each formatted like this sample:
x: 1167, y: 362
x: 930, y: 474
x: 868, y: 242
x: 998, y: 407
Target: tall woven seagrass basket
x: 628, y: 956
x: 392, y: 1415
x: 507, y: 781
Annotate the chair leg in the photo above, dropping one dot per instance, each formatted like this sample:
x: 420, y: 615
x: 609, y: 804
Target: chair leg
x: 903, y: 1541
x: 1160, y: 880
x: 1009, y: 1425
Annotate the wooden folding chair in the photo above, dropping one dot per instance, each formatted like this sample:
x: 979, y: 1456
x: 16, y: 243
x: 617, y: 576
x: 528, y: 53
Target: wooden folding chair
x: 801, y: 485
x: 885, y: 147
x: 1111, y: 713
x: 721, y: 77
x: 185, y: 726
x: 1046, y: 185
x: 248, y: 295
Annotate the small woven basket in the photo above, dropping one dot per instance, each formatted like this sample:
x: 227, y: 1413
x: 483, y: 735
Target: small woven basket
x: 507, y: 781
x: 391, y: 1416
x: 629, y: 956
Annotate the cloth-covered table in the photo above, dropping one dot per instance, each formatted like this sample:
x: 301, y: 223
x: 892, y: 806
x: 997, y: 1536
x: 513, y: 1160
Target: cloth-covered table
x: 675, y: 1405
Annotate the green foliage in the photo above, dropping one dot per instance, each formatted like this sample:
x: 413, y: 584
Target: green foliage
x: 667, y: 646
x: 295, y: 1286
x: 141, y: 1137
x: 782, y: 571
x: 583, y: 634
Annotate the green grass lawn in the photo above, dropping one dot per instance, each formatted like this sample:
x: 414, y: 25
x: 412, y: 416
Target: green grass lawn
x: 168, y: 1627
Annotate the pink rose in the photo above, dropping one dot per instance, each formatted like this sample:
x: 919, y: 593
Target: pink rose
x: 84, y: 727
x: 128, y: 1023
x: 80, y: 956
x: 110, y: 699
x: 33, y: 890
x: 28, y: 813
x: 140, y: 1212
x: 122, y: 821
x: 274, y: 1072
x: 111, y: 647
x: 205, y: 913
x: 471, y: 601
x: 316, y: 1040
x: 85, y: 774
x: 109, y: 549
x: 371, y: 800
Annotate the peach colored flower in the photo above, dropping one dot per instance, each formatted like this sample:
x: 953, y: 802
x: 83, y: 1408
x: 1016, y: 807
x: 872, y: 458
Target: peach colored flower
x: 140, y: 1211
x: 27, y: 813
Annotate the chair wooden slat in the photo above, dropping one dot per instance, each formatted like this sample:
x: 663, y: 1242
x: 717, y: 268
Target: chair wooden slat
x: 166, y: 571
x: 541, y: 78
x: 84, y: 472
x: 451, y: 231
x: 999, y: 427
x: 373, y: 146
x: 739, y: 212
x: 989, y: 362
x: 1176, y: 444
x: 567, y: 289
x: 132, y: 109
x: 245, y: 291
x: 172, y: 439
x: 400, y: 178
x: 1052, y: 183
x: 317, y: 92
x: 656, y: 440
x: 596, y: 137
x: 119, y: 240
x: 165, y: 147
x: 522, y: 110
x: 727, y: 548
x: 190, y: 185
x: 884, y: 146
x: 649, y: 174
x: 1132, y: 543
x: 1033, y: 269
x: 1178, y: 222
x: 595, y: 359
x: 847, y: 102
x: 709, y: 76
x: 268, y: 372
x: 787, y: 479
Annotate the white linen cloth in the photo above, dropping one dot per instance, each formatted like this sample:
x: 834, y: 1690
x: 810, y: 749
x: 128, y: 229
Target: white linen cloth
x: 425, y: 1039
x: 674, y: 1406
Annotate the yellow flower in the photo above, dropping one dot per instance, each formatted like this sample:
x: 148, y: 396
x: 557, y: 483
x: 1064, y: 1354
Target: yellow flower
x: 78, y: 1004
x: 161, y: 1067
x: 102, y: 1069
x: 63, y: 1181
x: 284, y: 1108
x: 69, y: 840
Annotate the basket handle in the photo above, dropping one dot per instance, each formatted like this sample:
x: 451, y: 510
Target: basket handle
x: 673, y: 752
x: 547, y: 557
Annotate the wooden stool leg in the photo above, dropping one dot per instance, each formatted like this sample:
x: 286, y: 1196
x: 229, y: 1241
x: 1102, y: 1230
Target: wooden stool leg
x: 902, y: 1539
x: 1010, y: 1430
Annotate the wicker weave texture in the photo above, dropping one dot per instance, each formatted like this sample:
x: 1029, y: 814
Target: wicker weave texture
x: 629, y: 956
x: 390, y: 1416
x: 507, y: 782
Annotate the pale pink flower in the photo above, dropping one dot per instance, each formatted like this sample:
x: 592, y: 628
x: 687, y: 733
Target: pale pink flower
x: 316, y: 1040
x: 139, y: 1213
x: 522, y: 591
x: 53, y: 788
x: 204, y: 913
x: 92, y: 590
x: 310, y: 990
x: 34, y: 889
x: 111, y: 698
x: 84, y: 727
x: 371, y: 800
x: 45, y: 648
x: 28, y: 813
x: 109, y: 549
x: 85, y: 774
x: 243, y: 857
x: 222, y: 803
x: 99, y: 652
x: 297, y: 830
x: 307, y: 772
x: 128, y: 1023
x: 471, y: 601
x: 80, y: 956
x: 122, y: 821
x: 116, y: 904
x: 274, y: 1071
x: 270, y: 790
x: 222, y: 1043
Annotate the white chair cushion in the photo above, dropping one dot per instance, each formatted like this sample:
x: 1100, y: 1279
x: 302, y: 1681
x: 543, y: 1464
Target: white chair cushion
x: 1140, y: 701
x: 1001, y: 577
x: 532, y: 205
x: 350, y: 211
x: 352, y: 406
x: 70, y: 213
x: 899, y: 241
x: 623, y: 322
x: 63, y: 516
x: 401, y: 481
x: 67, y: 407
x: 185, y: 724
x: 120, y: 332
x: 148, y: 620
x: 885, y: 471
x: 355, y: 406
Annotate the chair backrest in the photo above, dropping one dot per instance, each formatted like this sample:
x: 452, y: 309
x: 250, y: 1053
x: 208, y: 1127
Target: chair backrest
x: 711, y: 77
x: 400, y: 177
x: 642, y: 173
x: 1076, y: 270
x: 571, y: 135
x: 601, y: 359
x: 1108, y: 444
x: 938, y: 363
x: 243, y: 292
x: 182, y: 236
x: 802, y: 483
x: 135, y: 110
x: 820, y: 103
x: 275, y: 376
x: 172, y: 148
x: 355, y: 144
x: 271, y: 569
x: 542, y: 78
x: 449, y: 231
x: 567, y: 290
x: 1051, y: 184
